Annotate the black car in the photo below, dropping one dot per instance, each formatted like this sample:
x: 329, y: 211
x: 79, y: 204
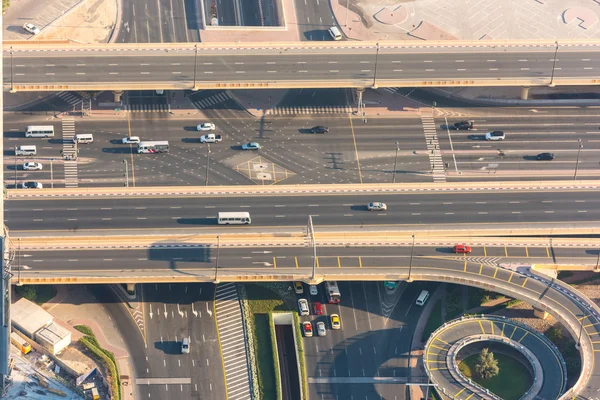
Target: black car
x: 319, y: 129
x: 462, y: 125
x: 545, y: 156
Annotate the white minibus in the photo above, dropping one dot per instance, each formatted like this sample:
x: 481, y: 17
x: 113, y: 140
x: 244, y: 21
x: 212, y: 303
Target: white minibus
x: 234, y: 218
x: 44, y: 131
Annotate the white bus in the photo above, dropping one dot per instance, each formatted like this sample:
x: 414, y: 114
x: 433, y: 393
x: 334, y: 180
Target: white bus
x: 234, y: 218
x: 44, y: 131
x: 333, y: 292
x: 153, y: 147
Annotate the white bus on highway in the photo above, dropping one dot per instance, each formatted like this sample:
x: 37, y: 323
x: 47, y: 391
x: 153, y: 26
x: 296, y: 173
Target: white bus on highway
x: 44, y: 131
x: 234, y: 218
x: 153, y: 147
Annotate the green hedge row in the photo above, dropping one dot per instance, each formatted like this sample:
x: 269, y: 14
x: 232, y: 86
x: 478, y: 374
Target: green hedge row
x: 275, y: 356
x: 86, y: 330
x: 300, y: 352
x: 90, y: 343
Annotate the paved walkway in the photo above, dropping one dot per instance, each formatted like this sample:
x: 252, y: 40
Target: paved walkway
x: 233, y: 342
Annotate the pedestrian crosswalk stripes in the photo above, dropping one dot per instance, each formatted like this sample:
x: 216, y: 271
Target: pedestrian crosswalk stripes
x: 234, y: 348
x: 337, y: 109
x: 69, y: 153
x: 433, y: 146
x: 212, y: 100
x: 70, y: 97
x: 147, y: 108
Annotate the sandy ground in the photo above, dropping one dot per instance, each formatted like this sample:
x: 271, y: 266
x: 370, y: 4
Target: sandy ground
x: 92, y: 22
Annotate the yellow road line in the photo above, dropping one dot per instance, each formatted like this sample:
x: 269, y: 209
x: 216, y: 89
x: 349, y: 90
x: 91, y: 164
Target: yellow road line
x: 527, y: 252
x: 587, y: 326
x: 523, y: 337
x: 471, y: 395
x: 582, y: 318
x: 547, y: 252
x: 131, y: 152
x: 513, y: 332
x: 356, y: 150
x: 274, y: 262
x: 492, y: 325
x: 360, y: 261
x: 505, y: 252
x: 495, y: 272
x: 339, y: 263
x: 482, y: 330
x: 441, y: 340
x: 465, y: 268
x: 480, y: 268
x: 503, y: 325
x: 524, y: 282
x: 296, y: 259
x: 484, y: 251
x: 511, y: 275
x: 457, y: 394
x: 318, y: 266
x: 437, y: 347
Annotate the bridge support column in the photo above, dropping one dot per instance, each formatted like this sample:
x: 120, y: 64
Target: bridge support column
x: 117, y: 95
x: 359, y: 92
x: 525, y: 92
x: 541, y: 314
x: 131, y: 288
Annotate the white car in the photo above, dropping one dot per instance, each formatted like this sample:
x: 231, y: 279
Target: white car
x: 131, y: 140
x: 378, y: 206
x: 207, y: 126
x: 321, y: 331
x: 31, y: 185
x: 32, y: 166
x: 31, y: 28
x: 251, y: 146
x: 303, y: 307
x: 313, y: 290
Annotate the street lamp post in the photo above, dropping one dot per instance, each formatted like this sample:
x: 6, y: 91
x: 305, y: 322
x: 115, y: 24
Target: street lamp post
x: 19, y: 262
x: 597, y: 262
x: 195, y: 64
x: 554, y: 64
x: 51, y: 174
x: 207, y: 163
x: 395, y: 162
x: 580, y: 331
x: 16, y: 159
x: 577, y: 162
x: 346, y: 24
x: 126, y: 173
x: 412, y: 249
x: 217, y: 259
x: 375, y: 74
x: 311, y: 232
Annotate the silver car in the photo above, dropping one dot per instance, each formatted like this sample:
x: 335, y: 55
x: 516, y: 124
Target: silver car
x: 377, y: 206
x: 32, y: 166
x: 321, y: 331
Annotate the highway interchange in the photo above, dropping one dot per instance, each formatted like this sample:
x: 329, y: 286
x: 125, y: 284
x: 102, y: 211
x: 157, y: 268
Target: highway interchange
x: 185, y: 66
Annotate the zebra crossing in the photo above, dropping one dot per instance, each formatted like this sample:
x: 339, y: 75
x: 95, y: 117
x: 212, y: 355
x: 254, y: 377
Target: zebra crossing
x: 147, y: 108
x: 69, y: 152
x: 338, y: 109
x: 433, y: 145
x: 233, y: 341
x: 212, y: 100
x: 70, y: 97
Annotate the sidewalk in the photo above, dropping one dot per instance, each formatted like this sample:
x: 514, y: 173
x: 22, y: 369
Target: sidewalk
x: 68, y: 307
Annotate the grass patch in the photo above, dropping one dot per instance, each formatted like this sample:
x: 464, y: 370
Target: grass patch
x: 86, y: 330
x: 434, y: 321
x: 454, y: 306
x: 39, y: 294
x: 511, y: 371
x: 105, y: 357
x: 261, y: 303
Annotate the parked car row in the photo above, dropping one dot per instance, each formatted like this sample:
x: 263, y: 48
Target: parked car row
x: 307, y: 327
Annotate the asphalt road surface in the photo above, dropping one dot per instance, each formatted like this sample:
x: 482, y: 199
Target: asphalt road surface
x: 119, y: 67
x: 470, y: 210
x: 374, y: 342
x: 313, y: 19
x: 172, y: 312
x: 295, y: 156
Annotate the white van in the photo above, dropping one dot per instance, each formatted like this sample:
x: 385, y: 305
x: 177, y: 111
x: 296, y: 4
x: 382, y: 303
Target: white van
x: 422, y: 298
x: 335, y: 33
x: 83, y: 138
x: 27, y: 150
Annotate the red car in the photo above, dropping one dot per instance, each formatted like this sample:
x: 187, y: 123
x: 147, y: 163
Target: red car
x: 318, y: 307
x: 462, y: 249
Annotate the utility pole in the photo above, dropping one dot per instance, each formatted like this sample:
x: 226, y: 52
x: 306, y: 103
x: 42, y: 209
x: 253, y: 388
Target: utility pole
x: 395, y: 162
x: 412, y: 249
x: 577, y: 162
x: 19, y: 262
x: 375, y: 74
x: 311, y: 232
x: 51, y: 174
x: 195, y: 64
x: 597, y: 262
x: 554, y: 64
x: 580, y: 331
x: 207, y: 163
x: 346, y: 24
x: 16, y: 159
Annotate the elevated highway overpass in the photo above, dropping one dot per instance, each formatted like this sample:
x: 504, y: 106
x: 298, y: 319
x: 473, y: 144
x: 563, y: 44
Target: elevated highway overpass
x: 60, y: 66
